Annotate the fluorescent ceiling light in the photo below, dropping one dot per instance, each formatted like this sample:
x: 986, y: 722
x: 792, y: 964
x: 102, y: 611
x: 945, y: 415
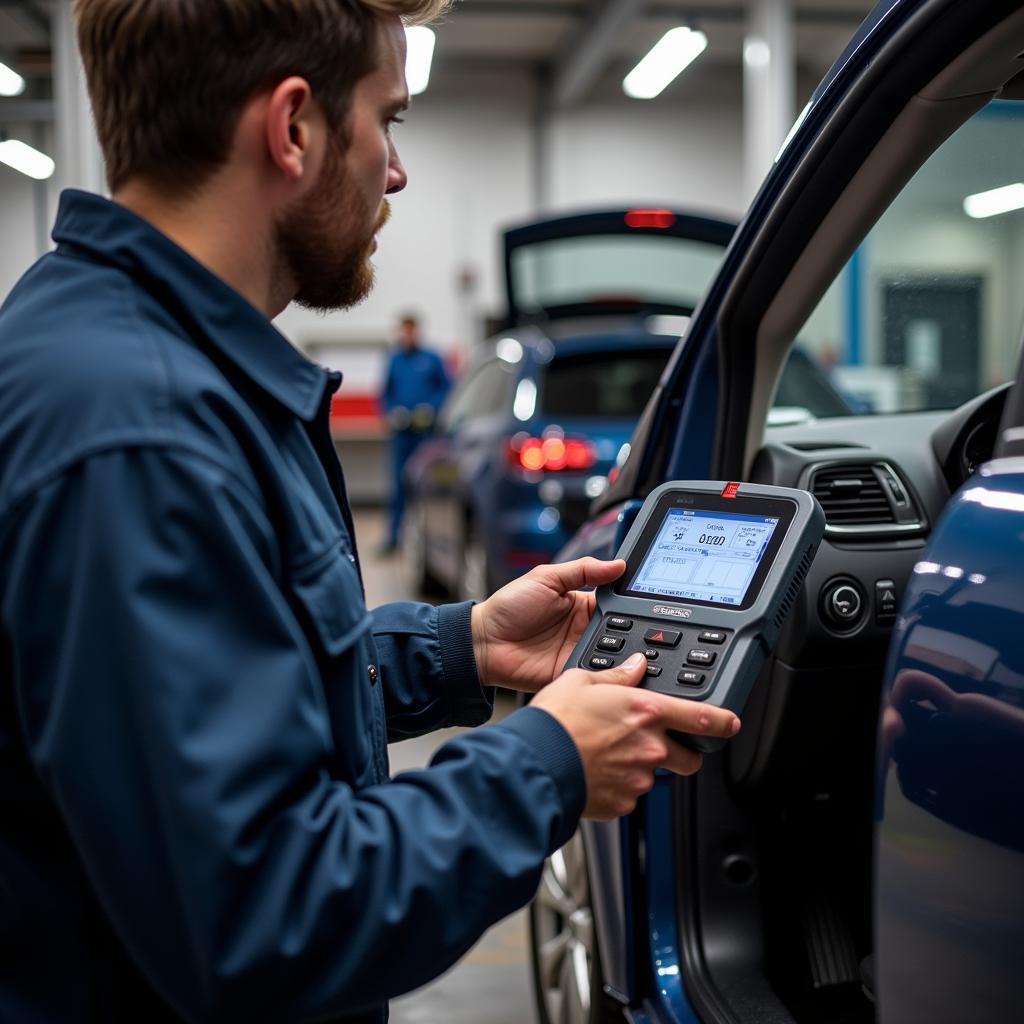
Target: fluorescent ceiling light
x: 676, y: 50
x: 419, y: 41
x: 995, y: 201
x: 11, y: 83
x: 26, y: 159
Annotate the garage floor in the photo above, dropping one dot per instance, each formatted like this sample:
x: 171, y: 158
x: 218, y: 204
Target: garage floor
x: 491, y: 983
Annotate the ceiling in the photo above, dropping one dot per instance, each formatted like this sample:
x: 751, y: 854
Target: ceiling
x: 541, y: 37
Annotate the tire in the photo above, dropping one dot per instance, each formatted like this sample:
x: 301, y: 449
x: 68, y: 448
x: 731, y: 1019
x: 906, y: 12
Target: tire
x: 565, y: 965
x: 414, y: 548
x: 475, y: 583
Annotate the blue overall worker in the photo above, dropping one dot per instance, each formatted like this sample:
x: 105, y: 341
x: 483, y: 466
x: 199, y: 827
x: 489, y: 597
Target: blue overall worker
x: 196, y: 816
x: 414, y: 388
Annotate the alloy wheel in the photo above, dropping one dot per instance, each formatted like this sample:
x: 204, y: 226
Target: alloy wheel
x: 563, y: 927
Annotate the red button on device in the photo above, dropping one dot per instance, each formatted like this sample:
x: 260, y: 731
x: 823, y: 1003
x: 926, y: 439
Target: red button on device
x: 731, y: 490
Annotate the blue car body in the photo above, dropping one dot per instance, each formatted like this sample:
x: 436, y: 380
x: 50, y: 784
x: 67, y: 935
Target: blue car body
x: 682, y: 935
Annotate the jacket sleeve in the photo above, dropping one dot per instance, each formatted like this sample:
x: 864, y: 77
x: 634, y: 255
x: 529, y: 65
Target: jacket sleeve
x: 428, y: 669
x: 174, y: 712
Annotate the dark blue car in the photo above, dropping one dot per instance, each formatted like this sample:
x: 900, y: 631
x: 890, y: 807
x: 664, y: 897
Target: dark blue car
x: 856, y: 854
x: 546, y: 408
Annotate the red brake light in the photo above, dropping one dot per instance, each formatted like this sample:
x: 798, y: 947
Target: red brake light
x: 551, y: 454
x: 650, y: 219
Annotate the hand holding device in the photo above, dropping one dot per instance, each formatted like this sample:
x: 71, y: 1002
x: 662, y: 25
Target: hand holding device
x: 621, y: 732
x: 712, y: 570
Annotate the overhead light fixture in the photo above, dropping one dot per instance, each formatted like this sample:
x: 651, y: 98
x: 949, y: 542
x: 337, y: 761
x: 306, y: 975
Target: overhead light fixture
x: 670, y: 56
x: 419, y: 42
x: 24, y: 158
x: 995, y: 201
x: 11, y: 83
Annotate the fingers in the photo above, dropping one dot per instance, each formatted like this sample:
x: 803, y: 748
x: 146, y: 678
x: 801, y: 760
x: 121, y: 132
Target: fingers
x: 696, y: 718
x: 629, y: 673
x: 583, y: 572
x: 682, y: 760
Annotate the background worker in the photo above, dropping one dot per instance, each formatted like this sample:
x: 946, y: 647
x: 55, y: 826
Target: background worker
x: 414, y: 389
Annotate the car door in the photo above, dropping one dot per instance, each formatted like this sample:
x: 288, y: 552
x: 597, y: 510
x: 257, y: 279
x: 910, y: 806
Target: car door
x: 679, y: 873
x: 949, y: 903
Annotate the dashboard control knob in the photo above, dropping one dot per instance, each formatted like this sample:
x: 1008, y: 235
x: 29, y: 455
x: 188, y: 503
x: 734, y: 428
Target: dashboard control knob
x: 842, y: 604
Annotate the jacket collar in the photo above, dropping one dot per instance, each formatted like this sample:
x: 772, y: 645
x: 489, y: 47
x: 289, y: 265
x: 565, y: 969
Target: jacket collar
x: 197, y: 298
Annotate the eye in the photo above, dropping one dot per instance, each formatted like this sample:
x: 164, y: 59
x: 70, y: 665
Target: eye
x: 393, y: 122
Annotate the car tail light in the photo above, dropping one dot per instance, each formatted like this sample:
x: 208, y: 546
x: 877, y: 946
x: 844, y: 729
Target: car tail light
x: 551, y: 454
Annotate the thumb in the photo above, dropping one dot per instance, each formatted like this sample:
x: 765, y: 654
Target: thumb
x: 629, y: 673
x: 583, y: 572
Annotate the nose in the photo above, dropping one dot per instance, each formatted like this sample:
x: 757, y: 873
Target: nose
x: 397, y: 178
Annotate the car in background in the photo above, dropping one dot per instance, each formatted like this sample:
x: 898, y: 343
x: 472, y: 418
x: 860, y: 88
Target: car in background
x: 856, y: 854
x: 533, y: 431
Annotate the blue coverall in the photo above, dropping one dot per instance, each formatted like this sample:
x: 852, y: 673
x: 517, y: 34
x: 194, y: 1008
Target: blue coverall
x: 414, y: 378
x: 196, y: 820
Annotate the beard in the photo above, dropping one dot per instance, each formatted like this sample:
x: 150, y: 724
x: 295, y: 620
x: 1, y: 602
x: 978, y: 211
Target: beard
x: 325, y: 240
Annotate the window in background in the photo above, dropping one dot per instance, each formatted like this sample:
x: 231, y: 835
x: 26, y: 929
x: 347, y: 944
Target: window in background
x: 929, y: 311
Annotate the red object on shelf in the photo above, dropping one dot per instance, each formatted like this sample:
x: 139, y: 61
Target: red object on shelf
x: 354, y: 414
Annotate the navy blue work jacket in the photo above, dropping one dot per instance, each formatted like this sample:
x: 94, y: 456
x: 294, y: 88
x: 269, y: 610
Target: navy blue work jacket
x: 415, y: 378
x: 196, y: 819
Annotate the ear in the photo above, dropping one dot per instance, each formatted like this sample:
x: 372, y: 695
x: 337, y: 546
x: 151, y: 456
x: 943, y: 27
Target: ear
x: 294, y: 129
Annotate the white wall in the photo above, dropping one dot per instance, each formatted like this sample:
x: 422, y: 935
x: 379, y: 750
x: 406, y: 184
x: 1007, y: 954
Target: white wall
x: 469, y: 146
x: 18, y: 242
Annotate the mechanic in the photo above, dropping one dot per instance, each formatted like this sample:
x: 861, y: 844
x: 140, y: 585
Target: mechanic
x: 414, y: 388
x: 196, y: 819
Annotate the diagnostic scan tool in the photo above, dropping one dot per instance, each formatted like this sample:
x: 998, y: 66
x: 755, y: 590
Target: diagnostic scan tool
x: 712, y: 571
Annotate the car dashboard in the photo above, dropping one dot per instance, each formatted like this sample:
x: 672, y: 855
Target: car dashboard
x: 883, y: 482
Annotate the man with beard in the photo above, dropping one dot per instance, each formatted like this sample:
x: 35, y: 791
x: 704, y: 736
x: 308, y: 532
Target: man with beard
x: 196, y: 818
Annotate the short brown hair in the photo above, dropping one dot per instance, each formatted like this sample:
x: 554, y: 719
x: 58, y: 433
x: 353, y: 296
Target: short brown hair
x: 168, y: 79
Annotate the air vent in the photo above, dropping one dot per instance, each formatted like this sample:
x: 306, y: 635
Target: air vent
x: 864, y: 498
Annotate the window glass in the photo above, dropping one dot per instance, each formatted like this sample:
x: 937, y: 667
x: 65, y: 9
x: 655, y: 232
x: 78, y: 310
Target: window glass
x: 929, y: 311
x: 485, y: 392
x: 655, y: 269
x: 619, y: 383
x: 615, y: 384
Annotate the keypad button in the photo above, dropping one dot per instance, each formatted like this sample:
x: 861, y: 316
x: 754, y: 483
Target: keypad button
x: 688, y: 677
x: 711, y: 636
x: 651, y: 653
x: 699, y: 657
x: 620, y: 623
x: 602, y: 661
x: 611, y: 643
x: 654, y: 670
x: 662, y: 637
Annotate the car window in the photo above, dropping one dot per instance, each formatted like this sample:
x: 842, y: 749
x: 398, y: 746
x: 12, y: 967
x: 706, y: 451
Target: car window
x: 615, y: 383
x: 485, y: 391
x: 619, y: 383
x: 928, y: 312
x: 655, y: 269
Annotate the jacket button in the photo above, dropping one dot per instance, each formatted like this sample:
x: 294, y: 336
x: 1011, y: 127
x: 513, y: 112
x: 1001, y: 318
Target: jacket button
x: 372, y: 672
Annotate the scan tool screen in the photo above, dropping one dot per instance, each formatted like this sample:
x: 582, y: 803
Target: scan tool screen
x: 705, y: 556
